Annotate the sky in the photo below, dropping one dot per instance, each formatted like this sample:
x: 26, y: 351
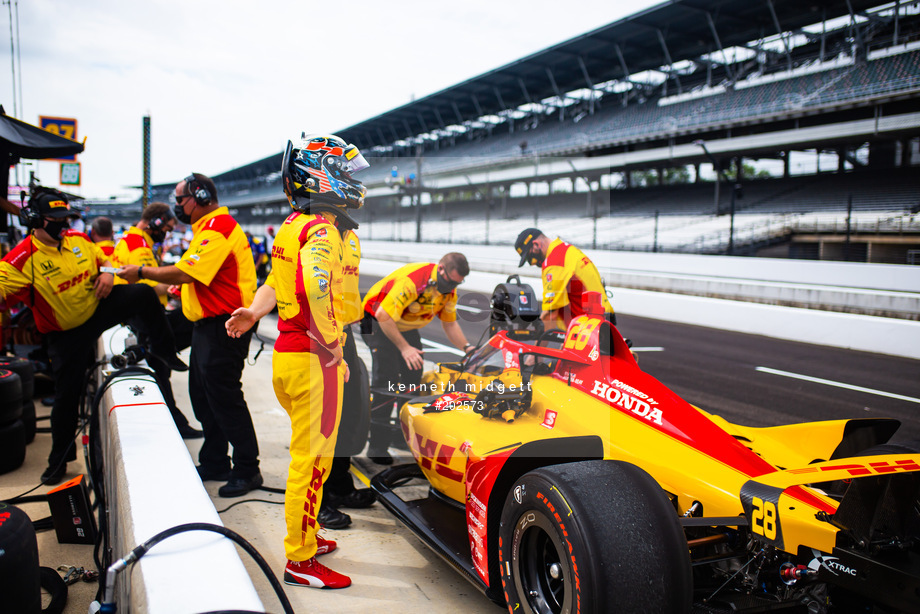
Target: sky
x: 227, y: 83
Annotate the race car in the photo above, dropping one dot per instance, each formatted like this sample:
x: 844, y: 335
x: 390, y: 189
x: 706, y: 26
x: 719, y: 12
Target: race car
x: 557, y: 476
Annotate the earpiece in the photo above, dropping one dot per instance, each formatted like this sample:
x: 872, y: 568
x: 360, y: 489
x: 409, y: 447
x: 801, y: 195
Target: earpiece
x: 200, y: 193
x: 31, y: 218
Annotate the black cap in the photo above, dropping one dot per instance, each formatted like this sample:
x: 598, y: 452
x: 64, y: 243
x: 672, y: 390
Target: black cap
x: 525, y: 242
x: 51, y: 203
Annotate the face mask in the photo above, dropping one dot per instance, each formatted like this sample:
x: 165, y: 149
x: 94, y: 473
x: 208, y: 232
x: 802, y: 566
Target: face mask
x: 181, y: 215
x: 445, y: 285
x: 56, y: 229
x: 537, y: 258
x: 158, y: 236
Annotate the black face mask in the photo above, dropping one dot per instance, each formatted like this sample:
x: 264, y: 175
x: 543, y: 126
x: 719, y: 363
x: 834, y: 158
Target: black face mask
x: 181, y: 215
x: 56, y: 229
x: 158, y: 236
x: 537, y: 257
x: 445, y: 285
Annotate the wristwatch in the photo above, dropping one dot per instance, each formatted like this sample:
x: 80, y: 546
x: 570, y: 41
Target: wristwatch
x: 140, y: 272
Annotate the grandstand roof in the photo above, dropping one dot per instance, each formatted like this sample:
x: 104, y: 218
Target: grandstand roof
x: 649, y: 40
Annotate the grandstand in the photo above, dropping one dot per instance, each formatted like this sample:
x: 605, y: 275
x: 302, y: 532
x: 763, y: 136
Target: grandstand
x: 588, y: 133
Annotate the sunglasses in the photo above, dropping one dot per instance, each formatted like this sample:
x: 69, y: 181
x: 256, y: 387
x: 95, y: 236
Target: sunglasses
x: 177, y: 198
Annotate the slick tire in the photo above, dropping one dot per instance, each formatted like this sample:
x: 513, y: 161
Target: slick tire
x: 10, y: 397
x: 592, y: 537
x: 12, y: 447
x: 20, y: 579
x: 23, y: 368
x: 356, y: 412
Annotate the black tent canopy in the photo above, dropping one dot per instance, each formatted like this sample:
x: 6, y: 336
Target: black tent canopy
x: 21, y: 140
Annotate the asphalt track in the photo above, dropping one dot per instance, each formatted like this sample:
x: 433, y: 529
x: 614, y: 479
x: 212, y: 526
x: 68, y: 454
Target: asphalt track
x: 749, y: 379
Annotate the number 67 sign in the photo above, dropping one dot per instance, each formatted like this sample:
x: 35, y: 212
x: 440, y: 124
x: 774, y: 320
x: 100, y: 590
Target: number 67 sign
x: 61, y: 126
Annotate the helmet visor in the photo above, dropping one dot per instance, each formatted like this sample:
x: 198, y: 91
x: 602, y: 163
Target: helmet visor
x: 354, y: 161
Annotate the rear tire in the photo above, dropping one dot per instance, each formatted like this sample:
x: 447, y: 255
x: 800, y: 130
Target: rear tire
x: 592, y: 537
x: 20, y: 582
x: 23, y: 368
x: 10, y: 397
x: 12, y: 446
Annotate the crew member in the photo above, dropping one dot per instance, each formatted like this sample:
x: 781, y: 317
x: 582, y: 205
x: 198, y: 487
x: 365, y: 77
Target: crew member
x: 340, y: 488
x: 395, y: 308
x: 567, y: 273
x: 217, y: 276
x: 55, y: 271
x: 136, y: 247
x: 102, y: 232
x: 308, y: 372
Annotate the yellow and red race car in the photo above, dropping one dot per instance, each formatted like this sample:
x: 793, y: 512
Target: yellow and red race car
x: 562, y: 478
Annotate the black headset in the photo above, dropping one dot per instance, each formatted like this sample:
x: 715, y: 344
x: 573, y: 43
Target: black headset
x: 161, y: 220
x: 198, y: 191
x: 30, y: 217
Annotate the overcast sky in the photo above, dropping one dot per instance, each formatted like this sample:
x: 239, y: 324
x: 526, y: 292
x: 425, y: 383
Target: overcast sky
x: 227, y: 83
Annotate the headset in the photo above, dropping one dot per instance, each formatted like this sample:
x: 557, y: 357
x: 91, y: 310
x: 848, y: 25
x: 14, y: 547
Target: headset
x: 198, y: 191
x: 30, y: 216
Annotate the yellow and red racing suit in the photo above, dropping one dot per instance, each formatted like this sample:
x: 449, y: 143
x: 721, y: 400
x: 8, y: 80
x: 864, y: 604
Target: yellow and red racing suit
x: 567, y: 273
x: 63, y: 295
x: 348, y: 307
x: 136, y: 247
x: 306, y: 274
x: 107, y: 247
x: 409, y: 295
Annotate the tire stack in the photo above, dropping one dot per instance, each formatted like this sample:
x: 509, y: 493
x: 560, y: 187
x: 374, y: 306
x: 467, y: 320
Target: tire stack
x: 20, y: 575
x: 12, y: 430
x: 23, y: 368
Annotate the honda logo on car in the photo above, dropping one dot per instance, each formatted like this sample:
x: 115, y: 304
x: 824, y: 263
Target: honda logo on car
x: 626, y: 401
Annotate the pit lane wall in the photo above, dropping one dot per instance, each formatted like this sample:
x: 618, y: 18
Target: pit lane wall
x: 152, y: 485
x: 868, y: 307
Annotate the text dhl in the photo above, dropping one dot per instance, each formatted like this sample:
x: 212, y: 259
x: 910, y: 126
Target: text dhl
x: 879, y: 468
x: 431, y: 453
x: 73, y: 282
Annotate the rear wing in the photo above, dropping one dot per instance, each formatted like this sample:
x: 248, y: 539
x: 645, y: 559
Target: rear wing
x: 877, y: 505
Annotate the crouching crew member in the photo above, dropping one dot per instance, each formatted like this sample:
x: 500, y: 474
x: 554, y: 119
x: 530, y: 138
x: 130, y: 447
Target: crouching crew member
x: 395, y: 308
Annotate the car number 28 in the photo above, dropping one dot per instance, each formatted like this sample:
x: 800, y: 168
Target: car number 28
x: 764, y: 518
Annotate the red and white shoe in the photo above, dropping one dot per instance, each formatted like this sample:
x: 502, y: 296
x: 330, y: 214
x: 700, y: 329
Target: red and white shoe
x: 324, y: 546
x: 314, y: 574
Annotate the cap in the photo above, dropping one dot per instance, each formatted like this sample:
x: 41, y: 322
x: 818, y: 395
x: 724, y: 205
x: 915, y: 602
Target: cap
x: 51, y: 203
x: 524, y: 243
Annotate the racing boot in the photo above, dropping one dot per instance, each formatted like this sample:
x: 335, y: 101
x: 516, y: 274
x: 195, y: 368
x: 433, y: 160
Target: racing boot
x: 324, y: 546
x: 314, y: 574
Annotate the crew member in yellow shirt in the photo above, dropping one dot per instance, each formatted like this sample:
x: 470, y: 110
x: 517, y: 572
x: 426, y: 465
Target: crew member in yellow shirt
x: 567, y: 273
x: 218, y: 276
x: 56, y: 272
x: 136, y: 247
x: 395, y: 308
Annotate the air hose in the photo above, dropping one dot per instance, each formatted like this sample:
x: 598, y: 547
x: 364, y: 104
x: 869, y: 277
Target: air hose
x: 108, y: 605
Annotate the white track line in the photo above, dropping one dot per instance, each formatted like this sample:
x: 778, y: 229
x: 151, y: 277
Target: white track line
x: 828, y: 382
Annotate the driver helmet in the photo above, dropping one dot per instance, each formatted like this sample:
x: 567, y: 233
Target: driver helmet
x: 318, y: 169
